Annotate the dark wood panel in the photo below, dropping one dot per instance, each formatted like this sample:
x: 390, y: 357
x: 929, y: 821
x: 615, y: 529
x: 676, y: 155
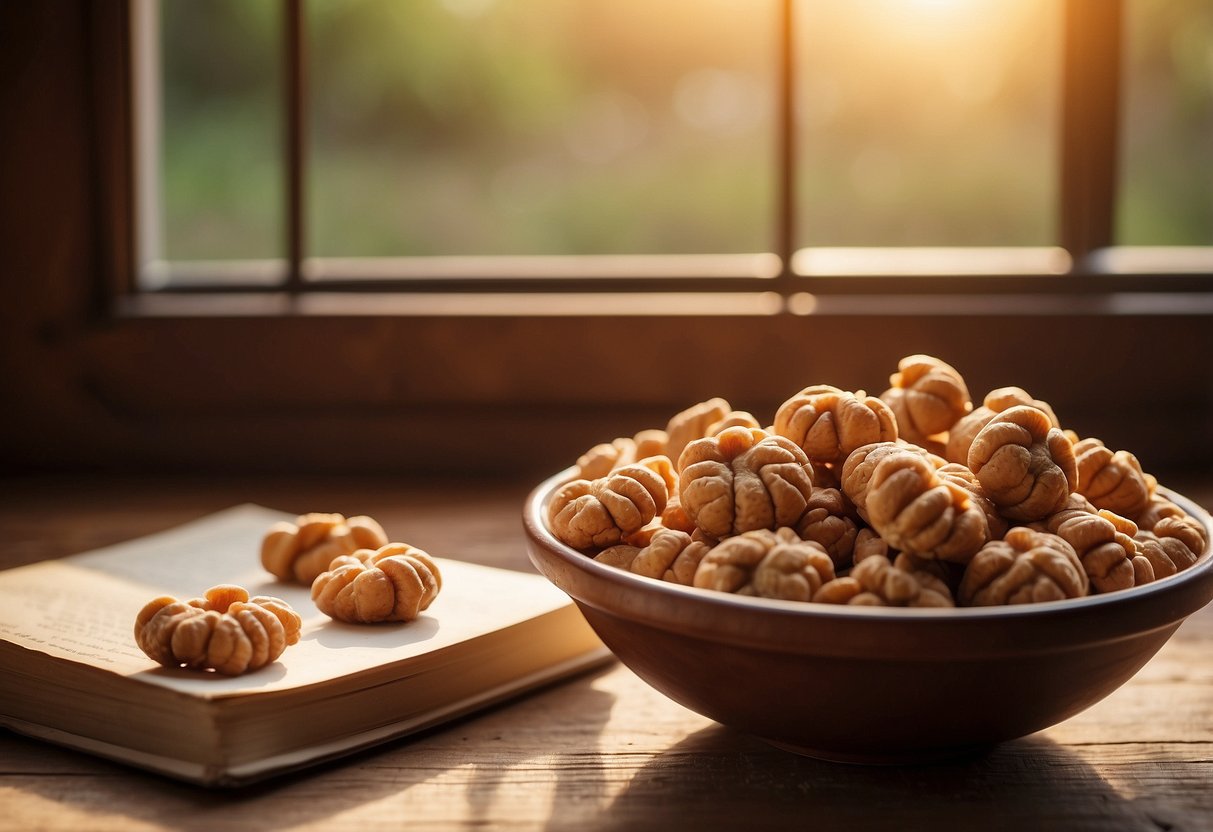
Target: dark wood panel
x: 503, y: 392
x: 499, y: 392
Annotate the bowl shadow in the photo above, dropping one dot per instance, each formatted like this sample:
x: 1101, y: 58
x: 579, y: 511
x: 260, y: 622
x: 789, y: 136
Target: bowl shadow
x: 720, y: 778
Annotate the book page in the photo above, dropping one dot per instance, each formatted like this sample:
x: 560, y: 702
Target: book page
x: 83, y: 608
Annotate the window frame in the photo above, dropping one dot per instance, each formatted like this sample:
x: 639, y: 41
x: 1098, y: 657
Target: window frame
x: 1084, y: 259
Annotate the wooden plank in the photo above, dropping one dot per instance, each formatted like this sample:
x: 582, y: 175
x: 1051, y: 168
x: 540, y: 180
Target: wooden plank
x: 607, y: 752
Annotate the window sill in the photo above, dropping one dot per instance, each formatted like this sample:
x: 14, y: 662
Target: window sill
x: 1159, y: 297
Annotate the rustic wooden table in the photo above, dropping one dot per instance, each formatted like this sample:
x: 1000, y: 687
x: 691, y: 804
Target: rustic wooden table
x: 602, y: 750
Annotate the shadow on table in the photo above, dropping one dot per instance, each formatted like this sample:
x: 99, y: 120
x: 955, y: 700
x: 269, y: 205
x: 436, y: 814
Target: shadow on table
x: 481, y: 754
x: 718, y: 778
x: 576, y: 767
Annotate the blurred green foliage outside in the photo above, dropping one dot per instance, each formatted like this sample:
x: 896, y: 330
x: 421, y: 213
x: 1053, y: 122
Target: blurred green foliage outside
x: 574, y: 126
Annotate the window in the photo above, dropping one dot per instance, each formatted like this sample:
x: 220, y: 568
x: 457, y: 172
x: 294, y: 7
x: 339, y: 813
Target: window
x: 1166, y: 203
x: 485, y: 137
x: 332, y: 141
x: 927, y: 123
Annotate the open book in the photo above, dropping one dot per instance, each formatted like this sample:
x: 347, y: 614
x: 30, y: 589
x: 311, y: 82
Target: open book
x: 71, y: 673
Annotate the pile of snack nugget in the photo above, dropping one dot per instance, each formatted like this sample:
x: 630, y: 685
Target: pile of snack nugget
x: 915, y: 498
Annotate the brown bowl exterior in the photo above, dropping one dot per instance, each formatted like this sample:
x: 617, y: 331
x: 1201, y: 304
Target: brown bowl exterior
x: 864, y: 684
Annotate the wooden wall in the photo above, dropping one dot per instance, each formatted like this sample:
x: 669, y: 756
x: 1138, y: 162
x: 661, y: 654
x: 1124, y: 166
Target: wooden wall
x: 91, y: 379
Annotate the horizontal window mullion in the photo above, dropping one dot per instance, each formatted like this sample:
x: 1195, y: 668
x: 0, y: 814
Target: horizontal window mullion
x: 979, y: 286
x: 864, y: 272
x: 682, y: 267
x: 631, y: 286
x: 454, y: 305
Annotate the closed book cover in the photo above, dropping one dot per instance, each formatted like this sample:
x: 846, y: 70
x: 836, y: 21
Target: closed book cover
x: 71, y: 673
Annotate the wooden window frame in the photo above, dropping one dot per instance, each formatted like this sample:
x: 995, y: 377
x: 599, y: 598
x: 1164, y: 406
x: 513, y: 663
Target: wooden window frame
x: 422, y: 374
x: 1089, y: 136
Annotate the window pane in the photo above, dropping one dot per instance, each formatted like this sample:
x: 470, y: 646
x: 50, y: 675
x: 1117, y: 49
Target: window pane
x: 222, y: 174
x: 541, y: 127
x: 1167, y: 150
x: 927, y: 122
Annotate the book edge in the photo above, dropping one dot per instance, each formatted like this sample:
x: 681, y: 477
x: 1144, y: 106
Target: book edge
x: 250, y: 772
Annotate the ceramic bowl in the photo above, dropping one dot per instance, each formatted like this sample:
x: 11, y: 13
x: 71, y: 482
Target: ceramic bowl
x: 871, y: 684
